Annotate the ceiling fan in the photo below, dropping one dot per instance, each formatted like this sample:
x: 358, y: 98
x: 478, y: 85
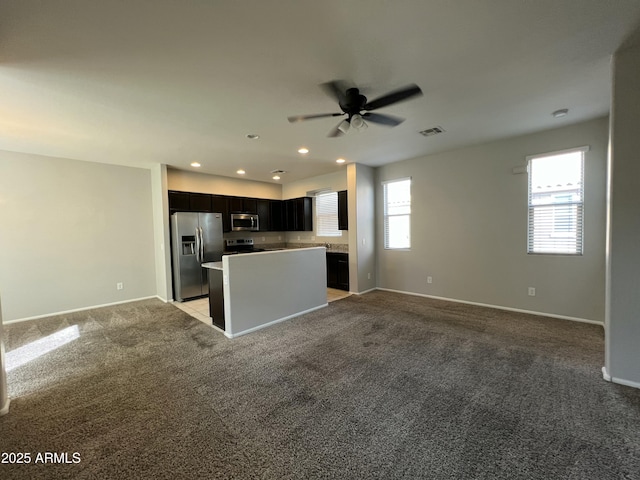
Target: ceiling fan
x: 357, y: 108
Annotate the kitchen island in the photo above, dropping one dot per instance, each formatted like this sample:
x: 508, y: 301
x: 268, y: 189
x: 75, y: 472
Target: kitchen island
x: 255, y: 290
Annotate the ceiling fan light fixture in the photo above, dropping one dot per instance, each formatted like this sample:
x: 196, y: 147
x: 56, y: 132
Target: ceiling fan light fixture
x: 357, y: 122
x: 303, y: 150
x: 344, y: 126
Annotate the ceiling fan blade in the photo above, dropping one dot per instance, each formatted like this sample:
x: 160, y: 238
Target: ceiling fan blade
x: 394, y: 97
x: 300, y: 118
x: 387, y: 120
x: 336, y: 89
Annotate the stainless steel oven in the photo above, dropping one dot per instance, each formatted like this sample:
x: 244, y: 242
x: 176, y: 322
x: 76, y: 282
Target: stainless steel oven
x: 244, y: 222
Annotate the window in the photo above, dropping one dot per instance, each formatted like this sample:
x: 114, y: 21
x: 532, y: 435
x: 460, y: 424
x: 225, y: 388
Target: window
x: 556, y: 196
x: 397, y: 214
x: 327, y: 215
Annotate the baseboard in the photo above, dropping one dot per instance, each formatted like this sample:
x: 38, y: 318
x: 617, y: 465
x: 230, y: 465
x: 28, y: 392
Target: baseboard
x: 620, y: 381
x: 498, y: 307
x: 366, y: 291
x: 82, y: 309
x: 260, y: 327
x: 5, y: 408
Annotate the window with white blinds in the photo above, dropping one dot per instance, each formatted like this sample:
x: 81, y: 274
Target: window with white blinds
x: 556, y: 202
x: 327, y: 215
x: 397, y: 214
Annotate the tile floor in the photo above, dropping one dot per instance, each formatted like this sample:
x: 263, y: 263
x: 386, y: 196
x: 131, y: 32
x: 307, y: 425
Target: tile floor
x: 199, y: 308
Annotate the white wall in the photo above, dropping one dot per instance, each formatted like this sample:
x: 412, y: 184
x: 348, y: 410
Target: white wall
x: 469, y: 227
x: 622, y: 337
x: 70, y: 231
x: 202, y: 183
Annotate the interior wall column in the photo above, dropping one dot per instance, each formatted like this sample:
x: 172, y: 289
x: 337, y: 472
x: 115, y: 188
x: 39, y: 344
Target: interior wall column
x: 622, y: 316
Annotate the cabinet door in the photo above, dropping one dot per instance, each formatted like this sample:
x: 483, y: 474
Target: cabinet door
x: 343, y: 272
x: 235, y: 205
x: 264, y: 214
x: 250, y: 205
x: 179, y: 201
x: 200, y: 202
x: 220, y: 204
x: 304, y: 214
x: 332, y: 270
x: 290, y: 216
x: 276, y: 217
x: 343, y: 211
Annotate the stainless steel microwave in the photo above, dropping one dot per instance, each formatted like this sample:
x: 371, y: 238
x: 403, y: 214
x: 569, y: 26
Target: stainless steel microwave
x: 244, y: 222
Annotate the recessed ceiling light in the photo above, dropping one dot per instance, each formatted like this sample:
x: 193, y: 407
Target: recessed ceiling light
x: 241, y: 172
x: 561, y: 113
x: 253, y: 136
x: 340, y: 160
x: 276, y: 177
x: 303, y: 150
x: 195, y: 164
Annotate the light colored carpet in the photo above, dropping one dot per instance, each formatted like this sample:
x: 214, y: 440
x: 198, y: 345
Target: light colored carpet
x: 375, y: 386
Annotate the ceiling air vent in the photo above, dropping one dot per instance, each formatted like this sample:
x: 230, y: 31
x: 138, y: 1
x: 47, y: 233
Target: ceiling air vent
x: 429, y: 132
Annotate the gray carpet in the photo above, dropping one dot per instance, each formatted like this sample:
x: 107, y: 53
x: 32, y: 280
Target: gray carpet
x: 378, y: 386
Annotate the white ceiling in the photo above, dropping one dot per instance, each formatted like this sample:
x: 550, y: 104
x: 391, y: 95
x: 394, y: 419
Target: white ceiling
x: 175, y: 81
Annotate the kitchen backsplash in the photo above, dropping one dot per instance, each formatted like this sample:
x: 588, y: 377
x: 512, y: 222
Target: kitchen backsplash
x: 290, y: 240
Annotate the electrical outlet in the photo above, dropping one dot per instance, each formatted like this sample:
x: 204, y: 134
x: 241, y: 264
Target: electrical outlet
x: 429, y: 279
x: 119, y: 286
x: 368, y: 276
x: 263, y: 239
x: 298, y: 237
x: 532, y: 291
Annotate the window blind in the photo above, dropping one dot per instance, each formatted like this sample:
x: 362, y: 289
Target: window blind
x: 556, y: 203
x: 327, y: 215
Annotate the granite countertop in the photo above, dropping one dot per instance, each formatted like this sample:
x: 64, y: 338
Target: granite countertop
x: 332, y: 248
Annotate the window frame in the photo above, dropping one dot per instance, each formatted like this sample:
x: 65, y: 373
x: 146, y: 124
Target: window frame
x: 578, y: 205
x: 386, y: 215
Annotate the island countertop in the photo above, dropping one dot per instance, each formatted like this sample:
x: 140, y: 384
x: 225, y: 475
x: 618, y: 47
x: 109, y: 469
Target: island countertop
x: 213, y: 265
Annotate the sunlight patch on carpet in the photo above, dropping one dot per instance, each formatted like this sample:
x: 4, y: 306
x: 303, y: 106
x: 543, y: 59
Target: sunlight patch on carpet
x: 40, y: 347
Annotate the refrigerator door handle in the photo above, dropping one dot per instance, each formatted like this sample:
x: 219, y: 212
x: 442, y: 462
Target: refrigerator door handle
x: 197, y: 245
x: 201, y: 246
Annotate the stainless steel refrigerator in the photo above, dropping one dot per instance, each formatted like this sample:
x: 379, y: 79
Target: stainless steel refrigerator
x: 196, y: 239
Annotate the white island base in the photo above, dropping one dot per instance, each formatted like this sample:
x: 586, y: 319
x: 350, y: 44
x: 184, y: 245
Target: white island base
x: 264, y: 288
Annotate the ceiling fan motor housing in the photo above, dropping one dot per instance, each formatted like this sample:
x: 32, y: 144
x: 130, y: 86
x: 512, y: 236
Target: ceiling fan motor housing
x: 353, y: 102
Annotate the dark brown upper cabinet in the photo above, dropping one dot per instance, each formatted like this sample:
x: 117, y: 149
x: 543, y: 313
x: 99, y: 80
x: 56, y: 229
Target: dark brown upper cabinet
x: 343, y: 211
x: 243, y: 205
x: 220, y: 204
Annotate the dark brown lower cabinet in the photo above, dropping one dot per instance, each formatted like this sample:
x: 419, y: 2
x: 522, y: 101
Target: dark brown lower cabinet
x: 338, y: 270
x: 216, y: 298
